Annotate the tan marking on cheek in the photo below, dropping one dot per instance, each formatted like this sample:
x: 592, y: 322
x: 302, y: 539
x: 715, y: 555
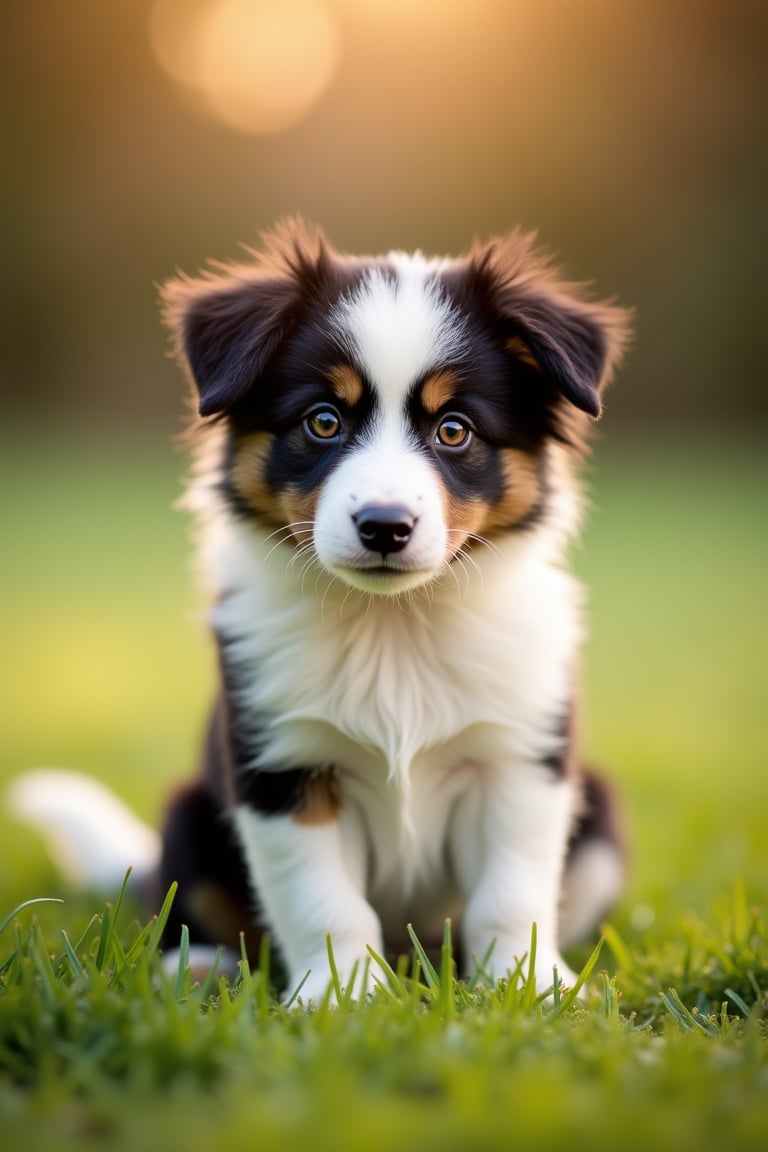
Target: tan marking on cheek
x: 522, y: 492
x: 520, y: 350
x: 249, y: 477
x: 298, y: 510
x: 346, y: 384
x: 320, y: 801
x: 463, y: 518
x: 437, y: 390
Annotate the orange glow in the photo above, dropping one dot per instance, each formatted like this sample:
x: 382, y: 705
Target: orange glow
x: 173, y: 34
x: 261, y: 65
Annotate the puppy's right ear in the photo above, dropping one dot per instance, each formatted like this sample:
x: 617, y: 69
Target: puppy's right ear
x: 226, y: 331
x: 227, y: 324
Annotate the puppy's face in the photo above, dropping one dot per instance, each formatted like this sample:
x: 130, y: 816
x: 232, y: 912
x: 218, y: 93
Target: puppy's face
x: 389, y: 413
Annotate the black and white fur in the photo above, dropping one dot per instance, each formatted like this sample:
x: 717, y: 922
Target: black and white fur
x: 385, y: 491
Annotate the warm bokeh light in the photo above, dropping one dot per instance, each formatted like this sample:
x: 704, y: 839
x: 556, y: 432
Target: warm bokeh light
x: 632, y: 136
x: 261, y: 65
x: 174, y: 33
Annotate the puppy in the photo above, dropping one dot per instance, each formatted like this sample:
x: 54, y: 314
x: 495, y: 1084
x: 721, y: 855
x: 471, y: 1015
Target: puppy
x: 385, y: 489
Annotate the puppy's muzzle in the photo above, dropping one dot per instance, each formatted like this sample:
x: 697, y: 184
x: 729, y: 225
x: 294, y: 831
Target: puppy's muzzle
x: 384, y: 528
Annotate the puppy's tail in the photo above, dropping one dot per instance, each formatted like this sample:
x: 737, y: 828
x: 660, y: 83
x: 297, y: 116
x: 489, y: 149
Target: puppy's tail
x: 91, y: 835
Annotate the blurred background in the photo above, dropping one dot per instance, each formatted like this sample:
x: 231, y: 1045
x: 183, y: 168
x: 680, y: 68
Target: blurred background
x: 146, y: 136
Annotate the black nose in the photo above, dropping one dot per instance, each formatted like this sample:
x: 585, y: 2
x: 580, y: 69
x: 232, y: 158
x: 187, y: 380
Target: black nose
x: 384, y: 528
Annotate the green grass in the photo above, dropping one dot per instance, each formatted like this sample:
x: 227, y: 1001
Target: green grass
x: 99, y: 1047
x: 105, y: 668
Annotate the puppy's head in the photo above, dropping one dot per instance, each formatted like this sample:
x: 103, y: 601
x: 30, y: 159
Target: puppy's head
x: 391, y: 410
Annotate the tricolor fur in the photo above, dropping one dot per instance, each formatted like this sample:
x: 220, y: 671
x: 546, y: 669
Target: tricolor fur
x: 385, y: 491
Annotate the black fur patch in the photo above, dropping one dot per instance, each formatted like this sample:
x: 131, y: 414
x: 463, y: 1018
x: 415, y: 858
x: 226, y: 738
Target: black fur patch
x: 272, y: 793
x: 233, y: 744
x: 599, y: 818
x: 199, y: 849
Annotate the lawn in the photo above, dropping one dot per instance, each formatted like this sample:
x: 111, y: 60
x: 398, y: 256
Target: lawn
x: 105, y: 668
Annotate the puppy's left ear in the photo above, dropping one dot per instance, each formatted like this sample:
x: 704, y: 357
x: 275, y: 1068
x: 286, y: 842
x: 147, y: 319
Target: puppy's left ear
x: 226, y: 330
x: 228, y: 323
x: 548, y: 324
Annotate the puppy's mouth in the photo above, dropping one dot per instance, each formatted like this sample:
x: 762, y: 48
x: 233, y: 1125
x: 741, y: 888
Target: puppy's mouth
x: 384, y: 569
x: 387, y: 579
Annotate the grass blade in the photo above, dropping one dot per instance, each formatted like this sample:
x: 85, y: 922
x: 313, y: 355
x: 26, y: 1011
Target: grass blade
x: 335, y: 979
x: 108, y: 945
x: 263, y: 1002
x: 181, y: 986
x: 447, y: 974
x: 689, y: 1021
x: 481, y: 972
x: 78, y: 972
x: 148, y: 940
x: 427, y: 967
x: 529, y: 990
x: 105, y: 935
x: 297, y: 991
x: 27, y: 904
x: 568, y: 998
x: 620, y: 951
x: 739, y: 1001
x: 395, y: 987
x: 511, y: 995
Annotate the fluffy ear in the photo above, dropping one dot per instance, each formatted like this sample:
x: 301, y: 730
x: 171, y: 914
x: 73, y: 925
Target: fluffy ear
x: 549, y: 326
x: 228, y: 323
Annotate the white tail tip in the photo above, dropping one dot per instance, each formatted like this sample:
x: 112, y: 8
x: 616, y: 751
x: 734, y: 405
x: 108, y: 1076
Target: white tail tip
x: 91, y: 835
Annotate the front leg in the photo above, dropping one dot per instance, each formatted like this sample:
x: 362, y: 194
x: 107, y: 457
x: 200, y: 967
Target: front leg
x: 305, y: 855
x: 307, y: 869
x: 509, y: 847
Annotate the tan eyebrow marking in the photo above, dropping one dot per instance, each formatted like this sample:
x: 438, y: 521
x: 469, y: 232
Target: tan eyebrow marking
x: 346, y: 384
x: 438, y: 389
x: 518, y: 347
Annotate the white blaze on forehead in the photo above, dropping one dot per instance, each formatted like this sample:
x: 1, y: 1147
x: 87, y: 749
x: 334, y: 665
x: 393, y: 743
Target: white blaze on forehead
x: 398, y: 327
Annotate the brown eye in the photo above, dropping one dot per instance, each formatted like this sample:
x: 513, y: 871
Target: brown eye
x: 324, y: 424
x: 453, y: 433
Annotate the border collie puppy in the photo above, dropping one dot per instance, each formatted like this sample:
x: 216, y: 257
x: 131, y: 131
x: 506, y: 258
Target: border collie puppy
x: 385, y: 490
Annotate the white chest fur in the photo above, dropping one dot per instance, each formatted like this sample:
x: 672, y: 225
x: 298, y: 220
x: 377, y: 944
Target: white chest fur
x: 434, y: 710
x: 333, y: 674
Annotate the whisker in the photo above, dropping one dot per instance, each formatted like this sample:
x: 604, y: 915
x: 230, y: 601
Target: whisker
x: 290, y: 528
x: 492, y: 548
x: 307, y: 567
x: 468, y: 558
x: 344, y: 601
x: 330, y: 582
x: 300, y: 551
x: 458, y: 562
x: 324, y: 597
x: 459, y: 566
x: 285, y: 533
